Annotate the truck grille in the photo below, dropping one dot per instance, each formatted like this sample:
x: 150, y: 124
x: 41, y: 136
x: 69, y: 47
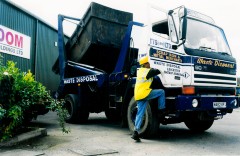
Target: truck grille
x: 214, y: 79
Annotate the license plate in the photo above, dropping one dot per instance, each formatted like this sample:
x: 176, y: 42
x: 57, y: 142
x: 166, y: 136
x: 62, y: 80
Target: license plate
x: 219, y: 105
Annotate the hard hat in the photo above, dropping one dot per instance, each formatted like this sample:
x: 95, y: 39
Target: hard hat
x: 143, y: 60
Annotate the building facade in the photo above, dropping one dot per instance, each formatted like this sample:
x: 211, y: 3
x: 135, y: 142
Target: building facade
x: 30, y: 42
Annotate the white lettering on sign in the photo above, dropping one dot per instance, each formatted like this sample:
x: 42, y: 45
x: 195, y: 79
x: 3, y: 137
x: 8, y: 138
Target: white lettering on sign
x: 89, y: 78
x: 81, y: 79
x: 69, y: 80
x: 14, y: 43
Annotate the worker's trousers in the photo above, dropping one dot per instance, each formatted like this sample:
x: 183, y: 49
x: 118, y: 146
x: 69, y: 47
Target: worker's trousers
x: 142, y: 104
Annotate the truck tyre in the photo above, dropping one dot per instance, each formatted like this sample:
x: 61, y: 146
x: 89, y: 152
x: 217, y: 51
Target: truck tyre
x: 199, y: 125
x: 76, y: 111
x: 150, y: 123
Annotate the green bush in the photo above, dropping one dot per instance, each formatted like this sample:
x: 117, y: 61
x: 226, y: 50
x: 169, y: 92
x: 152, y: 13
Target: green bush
x: 22, y: 99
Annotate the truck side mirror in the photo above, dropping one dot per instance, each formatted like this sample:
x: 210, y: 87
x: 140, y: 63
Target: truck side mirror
x: 183, y: 29
x: 182, y: 22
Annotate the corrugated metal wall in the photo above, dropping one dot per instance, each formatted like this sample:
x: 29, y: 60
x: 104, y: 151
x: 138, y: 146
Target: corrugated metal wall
x: 13, y: 18
x: 46, y: 56
x: 43, y: 51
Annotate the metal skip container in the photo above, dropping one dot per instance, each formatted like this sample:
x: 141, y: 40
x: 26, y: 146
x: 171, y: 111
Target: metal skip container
x: 98, y: 42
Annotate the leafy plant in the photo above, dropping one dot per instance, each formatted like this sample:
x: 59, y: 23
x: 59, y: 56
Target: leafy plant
x: 57, y: 106
x: 21, y: 99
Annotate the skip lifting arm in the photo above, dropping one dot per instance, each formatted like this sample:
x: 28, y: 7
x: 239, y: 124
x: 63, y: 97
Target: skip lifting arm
x: 61, y: 48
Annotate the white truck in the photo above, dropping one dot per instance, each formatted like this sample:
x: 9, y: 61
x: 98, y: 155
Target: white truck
x: 198, y: 70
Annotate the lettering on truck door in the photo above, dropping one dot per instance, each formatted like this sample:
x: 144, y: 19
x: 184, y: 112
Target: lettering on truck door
x: 169, y: 63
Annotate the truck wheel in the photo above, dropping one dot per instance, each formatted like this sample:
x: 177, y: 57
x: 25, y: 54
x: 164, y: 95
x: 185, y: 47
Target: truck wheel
x: 113, y: 114
x: 198, y: 125
x: 150, y: 123
x: 76, y: 112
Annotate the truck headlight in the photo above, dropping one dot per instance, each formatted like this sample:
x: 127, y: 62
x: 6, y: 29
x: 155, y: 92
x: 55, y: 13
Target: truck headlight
x: 194, y: 103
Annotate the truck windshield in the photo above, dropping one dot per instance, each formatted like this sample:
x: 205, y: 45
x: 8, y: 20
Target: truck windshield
x: 205, y: 37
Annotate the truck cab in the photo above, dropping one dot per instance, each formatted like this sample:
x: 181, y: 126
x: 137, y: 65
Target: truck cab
x: 188, y: 47
x: 198, y: 72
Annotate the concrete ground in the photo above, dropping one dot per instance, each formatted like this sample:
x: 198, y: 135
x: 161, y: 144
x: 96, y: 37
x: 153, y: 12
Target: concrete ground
x: 102, y: 137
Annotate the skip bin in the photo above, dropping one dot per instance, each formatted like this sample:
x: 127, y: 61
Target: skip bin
x: 98, y: 42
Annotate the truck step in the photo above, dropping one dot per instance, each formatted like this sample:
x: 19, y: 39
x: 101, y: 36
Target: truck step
x: 115, y: 98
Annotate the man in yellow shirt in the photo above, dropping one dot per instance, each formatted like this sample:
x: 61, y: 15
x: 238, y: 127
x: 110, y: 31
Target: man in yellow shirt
x: 143, y: 92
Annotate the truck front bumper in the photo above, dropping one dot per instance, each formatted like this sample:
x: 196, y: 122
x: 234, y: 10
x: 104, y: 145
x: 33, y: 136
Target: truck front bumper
x: 204, y: 102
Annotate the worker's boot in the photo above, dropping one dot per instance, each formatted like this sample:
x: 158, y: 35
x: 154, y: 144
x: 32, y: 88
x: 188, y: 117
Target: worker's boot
x: 135, y: 136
